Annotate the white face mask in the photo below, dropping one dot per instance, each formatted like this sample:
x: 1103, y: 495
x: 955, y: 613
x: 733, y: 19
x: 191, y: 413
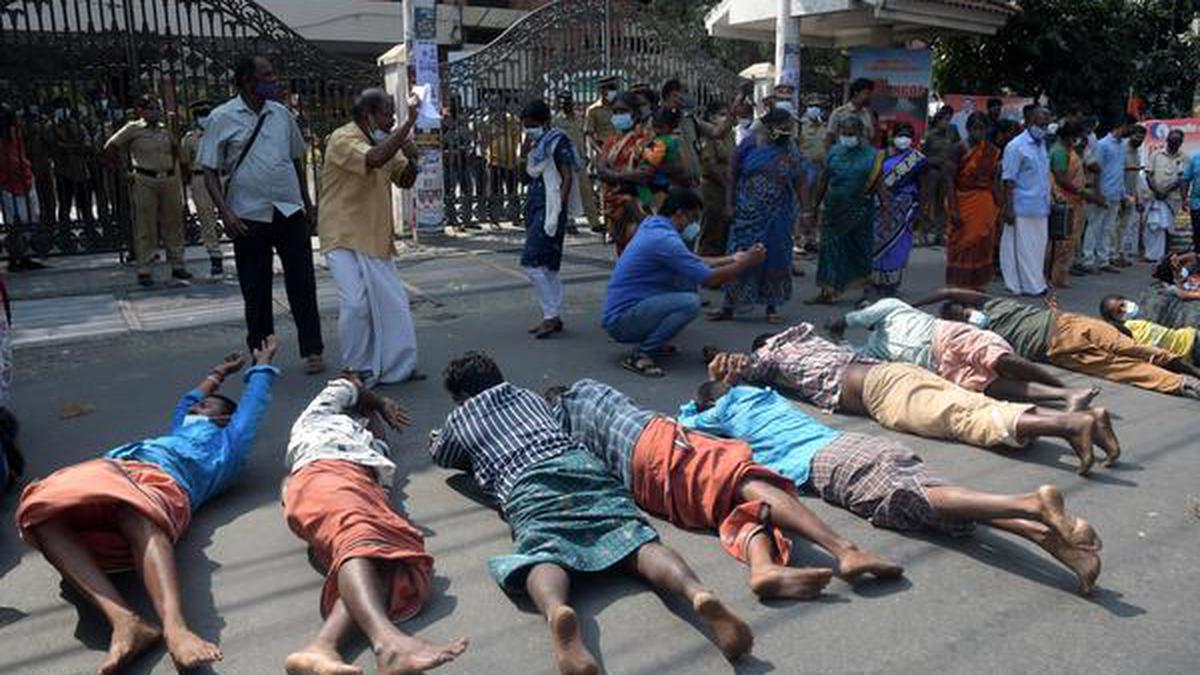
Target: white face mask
x: 813, y: 113
x: 786, y: 106
x: 978, y: 319
x: 1131, y: 310
x: 535, y: 133
x: 902, y: 142
x: 848, y: 141
x: 610, y: 96
x: 191, y: 419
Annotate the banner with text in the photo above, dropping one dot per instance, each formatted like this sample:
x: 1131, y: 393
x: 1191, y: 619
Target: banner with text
x: 902, y: 79
x: 429, y: 191
x: 1157, y: 130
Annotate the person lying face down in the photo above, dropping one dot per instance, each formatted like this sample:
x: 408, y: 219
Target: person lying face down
x: 697, y: 481
x: 567, y: 512
x: 905, y: 397
x: 335, y: 498
x: 881, y: 480
x: 134, y: 503
x: 1126, y: 316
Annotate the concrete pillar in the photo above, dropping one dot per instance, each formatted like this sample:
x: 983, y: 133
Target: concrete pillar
x: 787, y: 49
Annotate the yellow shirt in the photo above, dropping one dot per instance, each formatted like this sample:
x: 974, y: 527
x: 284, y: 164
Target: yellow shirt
x: 150, y: 147
x: 504, y: 139
x: 355, y: 209
x: 1178, y: 341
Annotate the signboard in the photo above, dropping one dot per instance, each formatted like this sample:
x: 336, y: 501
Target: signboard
x: 966, y: 104
x: 429, y: 189
x: 1157, y: 130
x: 902, y: 80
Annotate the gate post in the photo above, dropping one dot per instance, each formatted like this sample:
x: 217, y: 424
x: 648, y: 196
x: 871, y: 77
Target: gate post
x: 394, y: 63
x: 787, y: 49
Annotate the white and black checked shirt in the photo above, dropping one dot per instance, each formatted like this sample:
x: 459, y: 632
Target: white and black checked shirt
x: 608, y: 422
x: 498, y: 435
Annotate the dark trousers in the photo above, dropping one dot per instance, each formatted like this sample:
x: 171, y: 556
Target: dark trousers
x: 1195, y: 232
x: 289, y: 237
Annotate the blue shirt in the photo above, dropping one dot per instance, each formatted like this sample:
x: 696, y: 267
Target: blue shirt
x: 1110, y: 155
x: 783, y: 438
x: 655, y: 262
x: 1027, y: 165
x: 1191, y: 175
x: 199, y: 455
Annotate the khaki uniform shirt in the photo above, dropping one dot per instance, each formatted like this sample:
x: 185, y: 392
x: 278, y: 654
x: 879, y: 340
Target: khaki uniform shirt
x: 848, y: 110
x: 150, y: 147
x: 189, y: 147
x: 355, y: 209
x: 812, y: 140
x: 504, y: 139
x: 571, y: 127
x: 597, y: 122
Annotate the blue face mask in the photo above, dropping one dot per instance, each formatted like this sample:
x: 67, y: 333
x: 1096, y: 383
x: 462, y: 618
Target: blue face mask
x: 378, y: 135
x: 191, y: 419
x: 622, y: 121
x: 978, y: 319
x: 1037, y: 132
x: 535, y: 133
x: 691, y: 233
x: 267, y: 91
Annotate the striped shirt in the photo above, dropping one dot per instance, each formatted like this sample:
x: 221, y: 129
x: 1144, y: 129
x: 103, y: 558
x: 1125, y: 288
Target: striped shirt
x: 606, y: 421
x: 803, y: 364
x: 498, y: 435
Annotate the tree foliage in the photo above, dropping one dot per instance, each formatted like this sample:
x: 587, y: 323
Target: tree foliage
x: 1083, y: 55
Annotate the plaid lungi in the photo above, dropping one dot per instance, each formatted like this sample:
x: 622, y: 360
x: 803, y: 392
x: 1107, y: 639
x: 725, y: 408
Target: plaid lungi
x: 882, y: 481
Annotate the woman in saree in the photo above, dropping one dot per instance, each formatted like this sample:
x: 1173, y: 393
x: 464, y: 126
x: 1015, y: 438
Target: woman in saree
x: 770, y: 174
x: 849, y: 186
x: 619, y: 166
x: 975, y: 200
x: 904, y: 179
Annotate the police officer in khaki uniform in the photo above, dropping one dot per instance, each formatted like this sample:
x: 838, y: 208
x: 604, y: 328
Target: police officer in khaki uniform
x: 155, y: 194
x: 193, y: 178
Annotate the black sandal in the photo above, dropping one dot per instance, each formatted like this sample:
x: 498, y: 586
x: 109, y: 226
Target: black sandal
x: 642, y: 365
x: 724, y: 314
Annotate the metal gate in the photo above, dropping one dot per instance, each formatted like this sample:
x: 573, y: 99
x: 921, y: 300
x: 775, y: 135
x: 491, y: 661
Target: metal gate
x: 565, y: 45
x: 70, y: 69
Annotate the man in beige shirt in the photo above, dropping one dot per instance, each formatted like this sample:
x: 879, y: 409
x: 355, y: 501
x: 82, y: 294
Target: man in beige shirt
x: 363, y: 160
x: 597, y: 120
x: 193, y: 177
x: 156, y: 194
x: 566, y: 120
x: 858, y: 106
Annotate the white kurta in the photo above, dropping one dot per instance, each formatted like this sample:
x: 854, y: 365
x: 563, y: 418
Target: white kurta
x: 1023, y: 255
x: 375, y: 326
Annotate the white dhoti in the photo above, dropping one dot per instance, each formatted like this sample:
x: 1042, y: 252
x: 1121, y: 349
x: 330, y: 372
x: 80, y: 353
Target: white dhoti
x: 1023, y: 255
x: 375, y: 326
x: 1160, y: 218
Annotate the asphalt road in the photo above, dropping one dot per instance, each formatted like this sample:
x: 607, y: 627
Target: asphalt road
x: 989, y: 604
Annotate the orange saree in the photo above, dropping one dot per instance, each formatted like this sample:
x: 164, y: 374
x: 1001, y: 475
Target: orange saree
x: 971, y: 243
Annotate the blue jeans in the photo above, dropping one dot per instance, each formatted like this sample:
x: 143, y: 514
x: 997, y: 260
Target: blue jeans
x: 654, y: 321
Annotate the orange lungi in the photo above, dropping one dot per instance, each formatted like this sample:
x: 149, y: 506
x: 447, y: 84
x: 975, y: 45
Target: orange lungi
x: 88, y: 496
x: 692, y: 479
x: 339, y: 509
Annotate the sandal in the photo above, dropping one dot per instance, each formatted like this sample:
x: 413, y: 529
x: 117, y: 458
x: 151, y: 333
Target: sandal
x: 774, y: 319
x: 642, y: 365
x: 721, y: 315
x: 665, y: 350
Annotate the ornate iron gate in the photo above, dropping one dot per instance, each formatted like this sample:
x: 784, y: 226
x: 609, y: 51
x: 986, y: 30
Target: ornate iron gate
x: 565, y: 45
x: 70, y: 68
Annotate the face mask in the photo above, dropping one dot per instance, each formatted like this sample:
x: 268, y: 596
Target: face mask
x: 1038, y: 132
x: 1184, y: 272
x: 1052, y: 128
x: 535, y: 133
x: 644, y: 111
x: 691, y: 233
x: 1131, y: 310
x: 902, y: 142
x: 267, y: 91
x: 978, y: 319
x: 190, y: 419
x: 786, y: 106
x: 378, y: 135
x: 102, y: 104
x: 848, y: 141
x: 813, y: 113
x: 622, y: 121
x: 610, y: 96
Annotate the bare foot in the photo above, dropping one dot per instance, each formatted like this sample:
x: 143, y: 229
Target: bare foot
x: 129, y: 639
x: 1106, y: 438
x: 1085, y: 564
x: 1080, y: 399
x: 1075, y: 531
x: 857, y: 562
x: 1080, y: 438
x: 730, y: 633
x: 189, y: 650
x: 318, y: 659
x: 569, y: 651
x: 791, y: 583
x: 404, y: 654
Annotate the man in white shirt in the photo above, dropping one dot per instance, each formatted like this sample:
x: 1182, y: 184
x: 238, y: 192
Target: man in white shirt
x: 264, y: 203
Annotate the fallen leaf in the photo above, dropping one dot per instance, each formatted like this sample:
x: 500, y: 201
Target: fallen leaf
x: 71, y: 410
